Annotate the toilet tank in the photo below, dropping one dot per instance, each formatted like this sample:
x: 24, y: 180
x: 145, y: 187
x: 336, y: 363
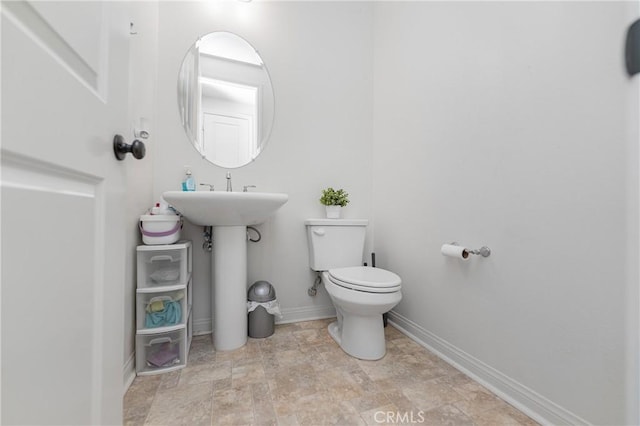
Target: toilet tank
x: 335, y: 243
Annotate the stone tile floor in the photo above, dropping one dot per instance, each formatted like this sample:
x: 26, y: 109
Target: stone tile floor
x: 300, y: 376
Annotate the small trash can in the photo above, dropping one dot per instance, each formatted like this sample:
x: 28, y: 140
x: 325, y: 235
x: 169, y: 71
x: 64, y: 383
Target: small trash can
x: 261, y: 322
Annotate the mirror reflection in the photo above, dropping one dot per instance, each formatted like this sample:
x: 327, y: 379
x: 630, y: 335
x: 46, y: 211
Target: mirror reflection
x: 225, y: 99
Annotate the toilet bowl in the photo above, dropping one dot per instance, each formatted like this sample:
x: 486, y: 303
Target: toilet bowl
x: 361, y: 295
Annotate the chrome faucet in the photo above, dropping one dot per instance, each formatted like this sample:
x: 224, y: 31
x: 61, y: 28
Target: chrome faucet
x: 207, y: 184
x: 229, y: 182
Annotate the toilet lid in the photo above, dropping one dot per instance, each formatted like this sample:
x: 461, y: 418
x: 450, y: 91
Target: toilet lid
x: 362, y: 278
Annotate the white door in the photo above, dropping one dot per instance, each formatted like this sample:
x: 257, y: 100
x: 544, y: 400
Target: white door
x: 64, y: 96
x: 227, y: 139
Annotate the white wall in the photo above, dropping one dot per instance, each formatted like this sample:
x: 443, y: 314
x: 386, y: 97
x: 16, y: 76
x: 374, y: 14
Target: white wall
x: 320, y: 60
x: 514, y: 125
x: 142, y: 86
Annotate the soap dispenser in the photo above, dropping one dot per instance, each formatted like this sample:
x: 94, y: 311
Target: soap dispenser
x: 189, y: 183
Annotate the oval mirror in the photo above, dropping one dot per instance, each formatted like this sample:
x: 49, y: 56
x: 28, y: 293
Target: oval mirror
x: 225, y: 99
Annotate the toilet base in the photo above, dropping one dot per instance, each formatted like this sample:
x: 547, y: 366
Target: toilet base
x: 360, y: 337
x: 334, y: 332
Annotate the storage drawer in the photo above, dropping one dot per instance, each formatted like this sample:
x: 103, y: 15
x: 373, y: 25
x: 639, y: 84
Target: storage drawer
x: 165, y: 265
x: 161, y: 309
x: 162, y: 352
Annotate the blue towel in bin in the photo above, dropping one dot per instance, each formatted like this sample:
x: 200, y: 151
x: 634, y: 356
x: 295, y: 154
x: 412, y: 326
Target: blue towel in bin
x: 170, y: 315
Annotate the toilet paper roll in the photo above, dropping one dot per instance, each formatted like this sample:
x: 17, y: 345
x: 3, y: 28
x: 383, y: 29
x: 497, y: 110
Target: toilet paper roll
x: 451, y: 250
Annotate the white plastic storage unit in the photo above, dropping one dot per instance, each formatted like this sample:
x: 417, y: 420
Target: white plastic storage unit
x: 163, y: 307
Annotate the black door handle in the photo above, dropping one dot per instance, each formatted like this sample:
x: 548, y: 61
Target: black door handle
x: 632, y: 48
x: 121, y: 148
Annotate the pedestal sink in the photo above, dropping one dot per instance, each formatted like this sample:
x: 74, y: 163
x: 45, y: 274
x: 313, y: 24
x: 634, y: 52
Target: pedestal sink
x: 229, y: 213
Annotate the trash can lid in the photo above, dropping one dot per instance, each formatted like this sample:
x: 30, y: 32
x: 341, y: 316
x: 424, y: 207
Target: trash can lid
x: 261, y: 291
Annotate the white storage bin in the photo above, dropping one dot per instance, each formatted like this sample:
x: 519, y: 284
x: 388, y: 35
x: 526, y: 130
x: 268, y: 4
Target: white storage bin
x: 190, y: 318
x: 160, y: 228
x: 189, y: 328
x: 162, y: 352
x: 161, y: 309
x: 165, y: 265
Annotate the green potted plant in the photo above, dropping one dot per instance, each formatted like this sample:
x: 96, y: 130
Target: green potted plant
x: 334, y: 200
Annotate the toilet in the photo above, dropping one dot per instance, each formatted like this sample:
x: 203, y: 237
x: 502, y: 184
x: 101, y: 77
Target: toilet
x: 360, y: 294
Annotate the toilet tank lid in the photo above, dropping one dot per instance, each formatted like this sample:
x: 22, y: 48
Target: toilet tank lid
x: 336, y: 222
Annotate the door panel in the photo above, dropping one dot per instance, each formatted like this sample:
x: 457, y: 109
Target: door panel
x: 48, y: 293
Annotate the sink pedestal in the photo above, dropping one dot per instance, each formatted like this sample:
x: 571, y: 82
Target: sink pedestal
x: 229, y: 295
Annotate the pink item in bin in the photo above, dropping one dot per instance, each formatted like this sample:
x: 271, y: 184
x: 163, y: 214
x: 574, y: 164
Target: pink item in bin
x: 167, y: 355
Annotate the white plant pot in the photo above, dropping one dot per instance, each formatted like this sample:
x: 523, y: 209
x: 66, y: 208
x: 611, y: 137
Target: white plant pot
x: 333, y: 212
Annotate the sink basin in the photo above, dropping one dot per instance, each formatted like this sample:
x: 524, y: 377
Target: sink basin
x: 229, y: 214
x: 218, y: 208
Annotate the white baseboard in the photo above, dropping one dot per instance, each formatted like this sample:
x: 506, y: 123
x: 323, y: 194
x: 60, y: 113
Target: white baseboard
x: 129, y: 372
x: 526, y: 400
x: 306, y: 313
x: 202, y: 326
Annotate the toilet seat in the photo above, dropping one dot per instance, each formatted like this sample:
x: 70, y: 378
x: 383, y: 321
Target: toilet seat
x: 366, y: 279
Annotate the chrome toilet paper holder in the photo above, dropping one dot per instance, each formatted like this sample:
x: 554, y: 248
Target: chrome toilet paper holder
x: 483, y: 251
